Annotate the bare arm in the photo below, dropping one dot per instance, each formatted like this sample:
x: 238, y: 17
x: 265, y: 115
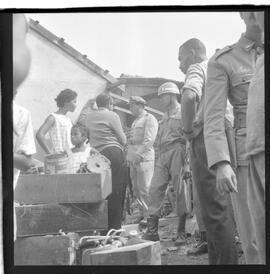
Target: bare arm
x: 49, y: 122
x: 188, y: 108
x: 23, y: 162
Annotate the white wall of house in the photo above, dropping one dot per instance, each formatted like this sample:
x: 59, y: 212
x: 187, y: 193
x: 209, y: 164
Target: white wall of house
x: 51, y: 71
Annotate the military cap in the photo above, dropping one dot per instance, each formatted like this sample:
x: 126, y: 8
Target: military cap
x: 137, y: 100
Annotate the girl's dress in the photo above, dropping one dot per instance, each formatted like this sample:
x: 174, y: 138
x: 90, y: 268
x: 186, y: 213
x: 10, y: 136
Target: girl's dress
x: 76, y: 158
x: 60, y: 133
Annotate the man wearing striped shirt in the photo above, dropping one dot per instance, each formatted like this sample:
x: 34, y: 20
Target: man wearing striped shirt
x: 214, y: 208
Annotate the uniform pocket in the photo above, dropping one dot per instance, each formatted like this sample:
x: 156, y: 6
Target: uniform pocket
x: 240, y: 142
x: 241, y: 79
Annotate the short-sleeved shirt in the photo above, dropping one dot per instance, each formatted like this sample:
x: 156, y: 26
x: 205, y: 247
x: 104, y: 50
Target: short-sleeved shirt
x: 23, y: 135
x: 255, y: 111
x: 104, y: 129
x: 195, y: 80
x: 143, y: 134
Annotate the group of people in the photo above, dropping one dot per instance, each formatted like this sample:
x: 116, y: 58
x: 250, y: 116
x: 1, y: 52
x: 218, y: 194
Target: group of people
x: 217, y: 118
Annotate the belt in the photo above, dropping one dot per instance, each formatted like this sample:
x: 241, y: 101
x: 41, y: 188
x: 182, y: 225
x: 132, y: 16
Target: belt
x: 240, y: 117
x: 172, y: 145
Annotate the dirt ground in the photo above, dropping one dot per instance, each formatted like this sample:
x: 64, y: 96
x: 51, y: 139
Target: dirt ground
x: 171, y: 255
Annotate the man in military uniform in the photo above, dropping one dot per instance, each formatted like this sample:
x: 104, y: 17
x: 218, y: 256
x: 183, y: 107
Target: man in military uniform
x: 169, y: 165
x: 256, y: 149
x: 140, y: 152
x: 228, y: 76
x: 213, y: 207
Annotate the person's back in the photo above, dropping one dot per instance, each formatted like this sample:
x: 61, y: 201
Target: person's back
x: 105, y: 133
x: 103, y: 128
x: 60, y: 133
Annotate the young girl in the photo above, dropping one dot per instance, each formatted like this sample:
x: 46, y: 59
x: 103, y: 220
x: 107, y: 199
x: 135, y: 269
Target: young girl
x: 81, y: 150
x: 58, y: 125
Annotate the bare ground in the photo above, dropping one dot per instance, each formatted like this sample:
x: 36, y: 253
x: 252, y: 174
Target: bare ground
x: 171, y: 255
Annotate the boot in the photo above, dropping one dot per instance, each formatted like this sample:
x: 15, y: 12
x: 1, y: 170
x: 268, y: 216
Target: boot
x: 201, y: 247
x: 181, y: 231
x: 151, y: 233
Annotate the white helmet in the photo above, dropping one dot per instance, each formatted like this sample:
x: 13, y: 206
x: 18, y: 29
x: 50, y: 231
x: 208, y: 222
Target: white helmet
x: 168, y: 87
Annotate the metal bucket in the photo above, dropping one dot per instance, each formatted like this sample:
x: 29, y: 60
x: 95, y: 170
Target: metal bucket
x: 56, y: 163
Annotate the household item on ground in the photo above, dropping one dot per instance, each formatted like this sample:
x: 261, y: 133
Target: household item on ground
x: 46, y: 250
x: 63, y: 188
x: 97, y: 163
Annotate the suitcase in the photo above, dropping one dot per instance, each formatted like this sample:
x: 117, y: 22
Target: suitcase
x: 50, y: 219
x: 63, y: 188
x: 46, y: 250
x: 148, y: 253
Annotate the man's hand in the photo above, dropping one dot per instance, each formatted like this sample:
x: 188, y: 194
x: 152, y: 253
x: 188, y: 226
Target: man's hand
x: 226, y: 178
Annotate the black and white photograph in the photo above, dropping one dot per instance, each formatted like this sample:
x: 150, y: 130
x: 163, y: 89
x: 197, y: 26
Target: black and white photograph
x: 138, y: 137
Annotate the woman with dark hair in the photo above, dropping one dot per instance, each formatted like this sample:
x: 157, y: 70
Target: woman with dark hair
x: 107, y: 136
x: 58, y: 124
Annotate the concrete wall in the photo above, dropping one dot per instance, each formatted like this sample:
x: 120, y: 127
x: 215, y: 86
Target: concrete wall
x: 51, y: 71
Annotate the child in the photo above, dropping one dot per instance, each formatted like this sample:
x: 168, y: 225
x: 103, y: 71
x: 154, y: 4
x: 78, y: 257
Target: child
x: 58, y: 125
x: 81, y: 150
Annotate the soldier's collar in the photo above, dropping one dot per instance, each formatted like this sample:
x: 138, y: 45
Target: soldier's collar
x: 248, y: 45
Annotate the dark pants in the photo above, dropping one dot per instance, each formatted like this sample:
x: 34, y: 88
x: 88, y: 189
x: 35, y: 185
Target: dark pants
x: 215, y: 208
x: 119, y: 178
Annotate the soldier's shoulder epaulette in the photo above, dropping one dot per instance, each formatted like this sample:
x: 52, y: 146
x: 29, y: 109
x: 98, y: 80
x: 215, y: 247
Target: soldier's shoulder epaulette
x: 220, y: 52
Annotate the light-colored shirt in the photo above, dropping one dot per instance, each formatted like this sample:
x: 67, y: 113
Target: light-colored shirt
x: 23, y: 135
x: 195, y: 80
x: 255, y: 111
x: 60, y: 133
x: 143, y: 134
x: 105, y: 129
x: 76, y: 159
x: 229, y: 73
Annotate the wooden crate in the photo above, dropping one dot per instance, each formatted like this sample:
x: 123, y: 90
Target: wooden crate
x: 148, y: 253
x: 45, y: 250
x: 49, y: 219
x: 63, y: 188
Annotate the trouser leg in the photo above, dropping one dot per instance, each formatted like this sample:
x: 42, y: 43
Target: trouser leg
x: 158, y: 187
x: 144, y: 174
x: 256, y: 199
x: 215, y: 211
x: 197, y: 208
x: 243, y: 219
x: 119, y: 173
x: 168, y: 167
x: 176, y: 164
